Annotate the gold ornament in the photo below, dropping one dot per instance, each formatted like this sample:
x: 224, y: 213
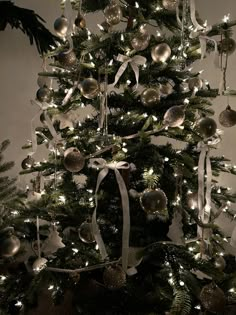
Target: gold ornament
x: 80, y: 21
x: 27, y: 163
x: 86, y: 233
x: 220, y: 263
x: 114, y: 277
x: 154, y: 201
x: 67, y: 58
x: 150, y: 97
x: 113, y: 13
x: 213, y: 298
x: 195, y: 83
x: 161, y: 52
x: 61, y: 26
x: 227, y: 118
x: 140, y: 41
x: 227, y: 46
x: 207, y: 127
x: 39, y: 264
x: 9, y: 243
x: 169, y: 5
x: 192, y: 200
x: 74, y: 161
x: 89, y: 88
x: 44, y: 94
x: 175, y: 116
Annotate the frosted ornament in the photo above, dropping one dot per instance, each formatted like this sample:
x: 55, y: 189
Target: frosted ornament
x: 150, y: 97
x: 86, y: 233
x: 74, y: 161
x: 53, y: 242
x: 175, y: 116
x: 161, y: 53
x: 113, y: 13
x: 90, y: 88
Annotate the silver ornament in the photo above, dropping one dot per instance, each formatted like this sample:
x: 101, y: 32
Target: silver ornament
x: 80, y: 21
x: 61, y: 25
x: 169, y: 5
x: 86, y: 233
x: 154, y: 201
x: 39, y: 264
x: 175, y: 116
x: 161, y: 52
x: 67, y: 58
x: 150, y: 97
x: 220, y: 263
x: 74, y: 161
x: 114, y: 277
x: 227, y: 118
x: 9, y: 243
x: 166, y: 89
x: 89, y: 88
x: 207, y: 127
x: 113, y: 13
x: 140, y: 41
x: 227, y: 46
x: 44, y: 94
x: 43, y: 80
x: 27, y: 163
x: 195, y: 83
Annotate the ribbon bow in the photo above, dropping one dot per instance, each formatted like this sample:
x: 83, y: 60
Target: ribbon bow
x: 134, y: 62
x: 104, y: 170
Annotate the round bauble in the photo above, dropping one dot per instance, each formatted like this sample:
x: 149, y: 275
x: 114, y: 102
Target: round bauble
x: 150, y: 97
x: 67, y: 58
x: 39, y: 264
x: 113, y: 13
x: 27, y: 163
x: 140, y: 41
x: 227, y: 118
x: 192, y: 200
x: 195, y: 83
x: 74, y: 161
x: 61, y: 26
x: 212, y: 298
x: 175, y: 116
x: 227, y: 46
x: 9, y: 243
x: 86, y: 233
x: 44, y: 94
x: 154, y: 201
x: 207, y: 127
x: 114, y: 277
x: 89, y: 88
x: 220, y: 263
x: 169, y: 5
x: 166, y: 89
x: 80, y: 22
x: 161, y: 52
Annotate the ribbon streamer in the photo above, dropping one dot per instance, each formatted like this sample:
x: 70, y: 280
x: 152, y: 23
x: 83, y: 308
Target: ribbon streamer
x: 100, y: 163
x: 134, y: 62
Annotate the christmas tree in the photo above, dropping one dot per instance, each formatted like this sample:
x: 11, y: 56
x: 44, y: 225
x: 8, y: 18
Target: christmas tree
x: 117, y: 220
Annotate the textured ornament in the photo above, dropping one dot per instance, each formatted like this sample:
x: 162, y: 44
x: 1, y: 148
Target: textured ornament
x: 192, y: 200
x: 89, y: 88
x: 74, y: 161
x: 44, y: 94
x: 154, y: 201
x: 207, y: 127
x: 9, y: 243
x: 67, y: 58
x: 52, y: 243
x: 166, y: 89
x: 113, y: 13
x: 195, y: 83
x: 86, y: 233
x: 169, y: 5
x: 114, y: 277
x: 80, y: 22
x: 227, y: 118
x: 140, y: 41
x: 220, y: 263
x: 39, y: 264
x: 175, y: 116
x: 61, y: 25
x: 27, y: 163
x: 150, y: 97
x: 227, y: 46
x: 213, y: 298
x: 161, y: 52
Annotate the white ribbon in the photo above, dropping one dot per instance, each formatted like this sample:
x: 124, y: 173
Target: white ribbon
x: 134, y: 62
x: 101, y: 164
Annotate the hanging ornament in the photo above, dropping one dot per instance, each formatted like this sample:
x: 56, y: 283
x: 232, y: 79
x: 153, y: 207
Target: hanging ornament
x: 44, y: 94
x: 43, y: 80
x: 74, y: 161
x: 192, y: 200
x: 195, y: 82
x: 227, y: 46
x: 150, y: 97
x: 207, y: 127
x: 80, y: 21
x: 52, y: 243
x: 67, y: 58
x: 169, y: 5
x: 27, y: 163
x: 9, y: 243
x: 61, y: 25
x: 39, y: 264
x: 154, y: 202
x: 113, y: 13
x: 86, y: 233
x: 213, y: 298
x: 161, y: 52
x: 166, y: 89
x: 176, y: 234
x: 220, y: 263
x: 114, y: 277
x: 175, y: 116
x: 227, y: 118
x: 141, y: 40
x: 89, y: 88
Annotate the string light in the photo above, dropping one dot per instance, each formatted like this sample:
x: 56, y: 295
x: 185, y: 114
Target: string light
x: 226, y: 18
x: 51, y: 287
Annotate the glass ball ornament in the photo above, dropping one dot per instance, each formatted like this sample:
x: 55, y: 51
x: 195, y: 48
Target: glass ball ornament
x: 161, y: 52
x: 154, y: 201
x: 166, y: 89
x: 227, y: 118
x: 61, y: 25
x: 227, y: 46
x: 175, y: 116
x: 213, y: 298
x: 44, y: 94
x: 195, y: 82
x: 9, y: 243
x: 67, y: 58
x: 169, y: 5
x: 89, y: 88
x: 80, y: 21
x: 74, y: 161
x: 86, y: 233
x: 113, y: 13
x: 27, y: 163
x: 140, y: 41
x: 192, y: 200
x: 114, y: 277
x: 39, y: 264
x: 219, y: 263
x: 207, y: 127
x: 150, y: 97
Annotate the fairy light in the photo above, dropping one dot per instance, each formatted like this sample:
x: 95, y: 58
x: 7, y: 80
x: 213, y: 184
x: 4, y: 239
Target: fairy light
x: 3, y: 278
x: 51, y: 287
x: 166, y: 159
x: 75, y: 250
x: 18, y: 304
x: 158, y: 8
x: 136, y: 5
x: 122, y: 37
x: 181, y: 283
x: 219, y: 191
x: 128, y: 82
x: 186, y: 101
x: 226, y: 18
x: 86, y: 264
x: 145, y: 115
x: 154, y: 118
x: 100, y: 27
x: 76, y: 137
x: 96, y: 247
x: 232, y: 290
x: 197, y: 307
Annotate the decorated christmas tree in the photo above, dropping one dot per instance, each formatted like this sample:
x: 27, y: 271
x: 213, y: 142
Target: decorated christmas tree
x: 121, y: 219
